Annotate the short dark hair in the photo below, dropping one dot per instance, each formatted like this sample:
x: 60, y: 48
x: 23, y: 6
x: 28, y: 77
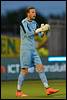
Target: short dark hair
x: 28, y: 9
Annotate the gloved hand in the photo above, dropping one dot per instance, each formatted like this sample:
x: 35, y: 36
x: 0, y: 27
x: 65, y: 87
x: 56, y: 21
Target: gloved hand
x: 43, y: 28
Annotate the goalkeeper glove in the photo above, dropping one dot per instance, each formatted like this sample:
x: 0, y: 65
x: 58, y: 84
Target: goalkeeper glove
x: 43, y: 28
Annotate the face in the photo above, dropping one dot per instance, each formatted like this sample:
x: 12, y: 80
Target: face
x: 32, y: 14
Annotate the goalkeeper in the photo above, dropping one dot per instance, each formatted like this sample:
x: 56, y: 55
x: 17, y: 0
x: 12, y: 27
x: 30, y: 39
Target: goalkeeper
x: 28, y: 52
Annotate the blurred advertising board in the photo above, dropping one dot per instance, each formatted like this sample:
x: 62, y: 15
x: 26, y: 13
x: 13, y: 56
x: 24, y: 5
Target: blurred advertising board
x: 11, y: 68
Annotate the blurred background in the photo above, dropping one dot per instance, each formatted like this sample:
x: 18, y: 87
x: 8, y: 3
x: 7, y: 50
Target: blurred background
x: 52, y: 12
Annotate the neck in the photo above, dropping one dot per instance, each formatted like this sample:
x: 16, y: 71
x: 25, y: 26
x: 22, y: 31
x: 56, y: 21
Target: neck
x: 29, y: 19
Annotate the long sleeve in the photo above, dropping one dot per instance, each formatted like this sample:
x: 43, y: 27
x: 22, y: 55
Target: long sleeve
x: 28, y: 30
x: 39, y: 33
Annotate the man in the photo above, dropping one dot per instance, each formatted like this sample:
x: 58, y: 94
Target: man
x: 28, y: 53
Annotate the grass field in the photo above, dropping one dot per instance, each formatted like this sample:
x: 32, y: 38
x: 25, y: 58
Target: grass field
x: 34, y: 89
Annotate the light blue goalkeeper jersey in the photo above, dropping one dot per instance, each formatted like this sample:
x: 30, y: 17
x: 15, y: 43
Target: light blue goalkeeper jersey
x: 28, y: 53
x: 27, y: 29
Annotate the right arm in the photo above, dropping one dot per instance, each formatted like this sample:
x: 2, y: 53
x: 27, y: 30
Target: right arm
x: 27, y: 29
